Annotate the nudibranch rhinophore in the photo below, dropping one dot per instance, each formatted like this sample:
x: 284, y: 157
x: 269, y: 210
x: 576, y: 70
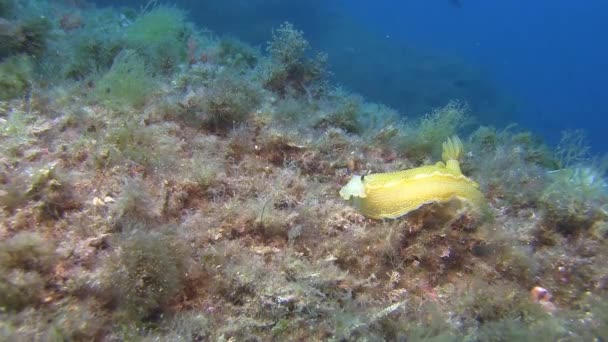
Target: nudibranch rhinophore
x: 394, y: 194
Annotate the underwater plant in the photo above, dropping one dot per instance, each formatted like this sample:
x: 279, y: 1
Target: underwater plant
x: 441, y: 123
x: 289, y: 69
x: 127, y: 83
x: 90, y: 52
x: 347, y: 116
x: 16, y: 76
x: 26, y: 259
x: 572, y: 149
x: 135, y: 204
x: 46, y: 189
x: 510, y: 166
x: 133, y: 143
x: 236, y: 54
x: 34, y: 34
x: 52, y: 193
x: 227, y: 101
x: 150, y: 270
x: 24, y: 37
x: 575, y: 194
x: 160, y: 36
x: 574, y: 197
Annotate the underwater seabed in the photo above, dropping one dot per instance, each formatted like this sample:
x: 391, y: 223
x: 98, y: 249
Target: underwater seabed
x: 192, y: 193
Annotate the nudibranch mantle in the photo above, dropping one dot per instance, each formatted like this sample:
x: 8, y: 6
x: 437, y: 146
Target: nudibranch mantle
x: 394, y: 194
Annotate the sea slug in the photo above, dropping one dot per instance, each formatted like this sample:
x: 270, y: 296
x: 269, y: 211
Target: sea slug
x: 394, y: 194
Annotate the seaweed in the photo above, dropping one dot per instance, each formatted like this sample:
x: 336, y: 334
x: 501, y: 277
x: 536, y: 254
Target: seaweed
x: 26, y: 260
x: 34, y: 34
x: 17, y: 76
x: 236, y: 54
x: 435, y: 126
x: 289, y: 69
x: 228, y: 101
x: 127, y: 83
x: 160, y: 36
x: 29, y: 36
x: 134, y: 204
x: 148, y: 273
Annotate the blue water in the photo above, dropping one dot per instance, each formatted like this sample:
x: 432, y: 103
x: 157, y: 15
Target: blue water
x: 551, y: 55
x: 540, y: 64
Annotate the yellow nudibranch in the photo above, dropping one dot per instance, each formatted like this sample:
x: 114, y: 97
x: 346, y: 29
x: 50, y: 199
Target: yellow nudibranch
x: 394, y: 194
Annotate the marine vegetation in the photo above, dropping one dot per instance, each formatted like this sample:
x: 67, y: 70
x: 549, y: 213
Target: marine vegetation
x: 28, y: 36
x: 127, y: 83
x: 291, y: 70
x: 16, y: 75
x: 193, y: 194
